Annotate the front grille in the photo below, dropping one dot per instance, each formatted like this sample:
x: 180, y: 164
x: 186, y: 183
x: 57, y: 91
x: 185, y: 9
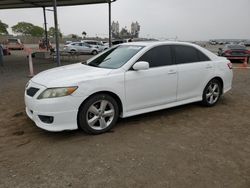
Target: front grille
x: 32, y: 91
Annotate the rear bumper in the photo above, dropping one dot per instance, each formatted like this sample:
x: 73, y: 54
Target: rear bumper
x: 237, y: 57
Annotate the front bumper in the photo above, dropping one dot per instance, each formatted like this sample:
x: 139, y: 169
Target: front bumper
x: 63, y: 110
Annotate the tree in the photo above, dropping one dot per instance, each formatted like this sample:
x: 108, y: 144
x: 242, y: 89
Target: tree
x: 3, y: 28
x: 84, y: 34
x: 52, y: 31
x: 124, y: 33
x: 37, y: 31
x: 23, y: 28
x: 74, y: 36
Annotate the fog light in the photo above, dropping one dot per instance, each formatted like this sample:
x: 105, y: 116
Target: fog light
x: 46, y: 119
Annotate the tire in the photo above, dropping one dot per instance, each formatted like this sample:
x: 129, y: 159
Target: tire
x: 212, y: 93
x: 98, y: 114
x: 72, y: 52
x: 94, y: 52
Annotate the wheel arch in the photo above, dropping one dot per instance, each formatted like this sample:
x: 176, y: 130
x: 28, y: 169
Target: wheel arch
x: 220, y: 80
x: 112, y: 94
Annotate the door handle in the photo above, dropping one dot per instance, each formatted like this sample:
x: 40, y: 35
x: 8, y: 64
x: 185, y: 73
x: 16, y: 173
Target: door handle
x: 172, y: 72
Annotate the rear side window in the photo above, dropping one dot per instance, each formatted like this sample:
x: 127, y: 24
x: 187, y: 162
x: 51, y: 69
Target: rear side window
x: 202, y: 56
x: 158, y: 56
x: 188, y: 54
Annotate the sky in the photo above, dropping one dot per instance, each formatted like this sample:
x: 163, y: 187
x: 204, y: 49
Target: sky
x: 160, y: 19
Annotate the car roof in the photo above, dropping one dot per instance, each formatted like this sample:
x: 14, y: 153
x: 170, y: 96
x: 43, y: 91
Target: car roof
x: 90, y: 41
x: 235, y: 46
x: 149, y: 44
x: 155, y: 43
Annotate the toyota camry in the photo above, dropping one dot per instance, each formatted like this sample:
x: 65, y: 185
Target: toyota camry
x: 126, y: 80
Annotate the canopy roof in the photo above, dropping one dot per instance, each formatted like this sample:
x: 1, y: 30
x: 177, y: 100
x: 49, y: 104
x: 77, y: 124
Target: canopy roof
x: 12, y: 4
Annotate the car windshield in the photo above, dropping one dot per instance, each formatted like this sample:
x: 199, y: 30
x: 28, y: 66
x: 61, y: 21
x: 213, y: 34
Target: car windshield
x: 115, y: 57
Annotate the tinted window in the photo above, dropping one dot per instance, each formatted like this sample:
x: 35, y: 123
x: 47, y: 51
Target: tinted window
x: 86, y: 45
x: 158, y: 56
x: 185, y: 54
x: 202, y: 57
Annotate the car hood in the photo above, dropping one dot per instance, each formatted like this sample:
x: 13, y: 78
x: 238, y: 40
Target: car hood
x: 69, y: 75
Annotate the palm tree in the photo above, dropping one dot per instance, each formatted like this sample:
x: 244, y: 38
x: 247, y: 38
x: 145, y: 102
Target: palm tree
x: 84, y: 34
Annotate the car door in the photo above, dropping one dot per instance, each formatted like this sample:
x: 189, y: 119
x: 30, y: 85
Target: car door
x: 77, y: 47
x: 194, y: 70
x: 155, y: 86
x: 86, y: 48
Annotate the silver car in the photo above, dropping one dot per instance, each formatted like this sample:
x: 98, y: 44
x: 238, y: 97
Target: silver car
x: 81, y: 48
x: 96, y: 44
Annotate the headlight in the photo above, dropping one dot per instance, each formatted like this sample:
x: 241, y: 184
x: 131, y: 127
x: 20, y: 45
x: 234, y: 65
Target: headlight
x: 27, y: 85
x: 57, y: 92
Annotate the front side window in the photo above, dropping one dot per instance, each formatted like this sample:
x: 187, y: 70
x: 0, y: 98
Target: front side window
x: 158, y: 56
x: 115, y: 57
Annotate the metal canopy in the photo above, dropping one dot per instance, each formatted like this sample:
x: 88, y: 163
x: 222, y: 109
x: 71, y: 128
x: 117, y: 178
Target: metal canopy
x: 12, y: 4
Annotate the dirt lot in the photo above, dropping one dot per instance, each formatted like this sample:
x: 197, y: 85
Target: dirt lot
x: 187, y: 146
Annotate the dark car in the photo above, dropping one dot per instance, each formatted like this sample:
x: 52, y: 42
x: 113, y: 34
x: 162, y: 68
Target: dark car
x: 6, y: 50
x: 234, y: 51
x: 247, y: 43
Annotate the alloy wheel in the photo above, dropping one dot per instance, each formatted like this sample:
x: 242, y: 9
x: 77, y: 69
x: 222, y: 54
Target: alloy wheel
x: 100, y: 114
x: 213, y: 93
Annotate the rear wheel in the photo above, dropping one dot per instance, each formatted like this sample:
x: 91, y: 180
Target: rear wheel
x: 212, y: 93
x: 94, y: 52
x: 72, y: 52
x: 98, y: 114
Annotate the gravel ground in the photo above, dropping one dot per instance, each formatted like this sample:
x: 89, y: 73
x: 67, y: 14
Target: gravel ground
x: 187, y: 146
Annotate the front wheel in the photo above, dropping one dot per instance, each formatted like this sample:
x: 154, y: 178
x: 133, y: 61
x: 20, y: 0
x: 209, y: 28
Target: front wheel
x: 212, y: 93
x: 98, y: 114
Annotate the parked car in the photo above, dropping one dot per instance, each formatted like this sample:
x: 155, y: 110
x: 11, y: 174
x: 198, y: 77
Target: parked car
x: 6, y: 51
x: 14, y: 44
x: 234, y: 51
x: 114, y: 42
x: 80, y: 47
x: 126, y: 80
x: 96, y: 44
x: 213, y: 42
x: 68, y: 42
x: 247, y: 43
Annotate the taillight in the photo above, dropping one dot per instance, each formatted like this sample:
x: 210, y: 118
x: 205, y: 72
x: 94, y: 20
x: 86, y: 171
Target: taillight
x: 228, y: 52
x: 230, y: 65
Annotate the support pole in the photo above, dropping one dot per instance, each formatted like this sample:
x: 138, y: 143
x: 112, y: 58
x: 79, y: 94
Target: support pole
x: 46, y: 30
x: 56, y: 34
x: 110, y: 34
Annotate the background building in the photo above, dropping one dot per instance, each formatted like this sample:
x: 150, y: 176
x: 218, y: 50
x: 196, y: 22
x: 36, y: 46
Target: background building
x: 135, y: 29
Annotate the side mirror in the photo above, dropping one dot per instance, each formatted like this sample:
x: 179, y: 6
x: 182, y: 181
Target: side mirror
x: 141, y: 65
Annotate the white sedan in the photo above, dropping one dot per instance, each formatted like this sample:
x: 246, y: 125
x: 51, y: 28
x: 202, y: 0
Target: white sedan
x: 80, y: 48
x: 126, y: 80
